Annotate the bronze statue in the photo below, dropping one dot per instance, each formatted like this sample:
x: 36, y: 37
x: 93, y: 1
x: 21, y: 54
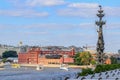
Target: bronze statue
x: 100, y: 42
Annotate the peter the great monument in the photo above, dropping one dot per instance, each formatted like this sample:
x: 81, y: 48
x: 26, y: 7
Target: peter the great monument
x: 100, y: 42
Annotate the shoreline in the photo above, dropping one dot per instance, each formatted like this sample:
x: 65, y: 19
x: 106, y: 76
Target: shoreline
x: 56, y: 66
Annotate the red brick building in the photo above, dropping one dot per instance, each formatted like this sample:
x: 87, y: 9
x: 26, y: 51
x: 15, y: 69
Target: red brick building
x: 39, y: 56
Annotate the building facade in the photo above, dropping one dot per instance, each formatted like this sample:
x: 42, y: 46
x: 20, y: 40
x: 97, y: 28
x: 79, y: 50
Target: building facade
x: 39, y: 56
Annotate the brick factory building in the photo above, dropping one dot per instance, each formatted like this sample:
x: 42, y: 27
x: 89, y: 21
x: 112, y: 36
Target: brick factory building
x: 40, y: 56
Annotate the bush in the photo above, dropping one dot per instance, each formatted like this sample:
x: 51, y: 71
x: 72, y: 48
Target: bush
x: 103, y: 68
x: 99, y: 68
x: 4, y: 60
x: 86, y: 72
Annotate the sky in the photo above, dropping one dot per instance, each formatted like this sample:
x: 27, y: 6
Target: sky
x: 59, y: 22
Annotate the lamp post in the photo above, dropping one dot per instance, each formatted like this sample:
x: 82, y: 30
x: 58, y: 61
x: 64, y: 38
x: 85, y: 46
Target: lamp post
x: 100, y: 42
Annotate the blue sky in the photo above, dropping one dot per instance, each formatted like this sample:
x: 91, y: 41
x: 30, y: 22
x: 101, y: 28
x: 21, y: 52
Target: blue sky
x: 58, y: 22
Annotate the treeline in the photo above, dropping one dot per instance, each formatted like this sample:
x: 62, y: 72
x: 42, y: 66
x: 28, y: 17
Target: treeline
x: 7, y: 54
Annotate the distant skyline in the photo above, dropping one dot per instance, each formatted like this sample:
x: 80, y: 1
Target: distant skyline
x: 58, y: 22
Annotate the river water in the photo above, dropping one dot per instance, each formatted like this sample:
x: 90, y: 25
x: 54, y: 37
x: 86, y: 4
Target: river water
x: 32, y: 74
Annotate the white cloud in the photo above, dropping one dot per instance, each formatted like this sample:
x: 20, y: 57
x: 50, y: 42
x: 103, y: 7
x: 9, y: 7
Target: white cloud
x: 44, y: 2
x: 77, y: 12
x: 51, y: 27
x: 83, y: 5
x: 113, y: 26
x: 37, y: 3
x: 2, y: 26
x: 79, y: 9
x: 115, y: 33
x: 23, y: 13
x: 87, y: 10
x: 58, y: 26
x: 112, y: 11
x: 84, y: 10
x: 35, y: 33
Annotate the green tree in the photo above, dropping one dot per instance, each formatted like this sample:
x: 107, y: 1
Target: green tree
x: 77, y: 59
x: 93, y: 62
x: 7, y: 54
x: 113, y: 60
x: 85, y: 58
